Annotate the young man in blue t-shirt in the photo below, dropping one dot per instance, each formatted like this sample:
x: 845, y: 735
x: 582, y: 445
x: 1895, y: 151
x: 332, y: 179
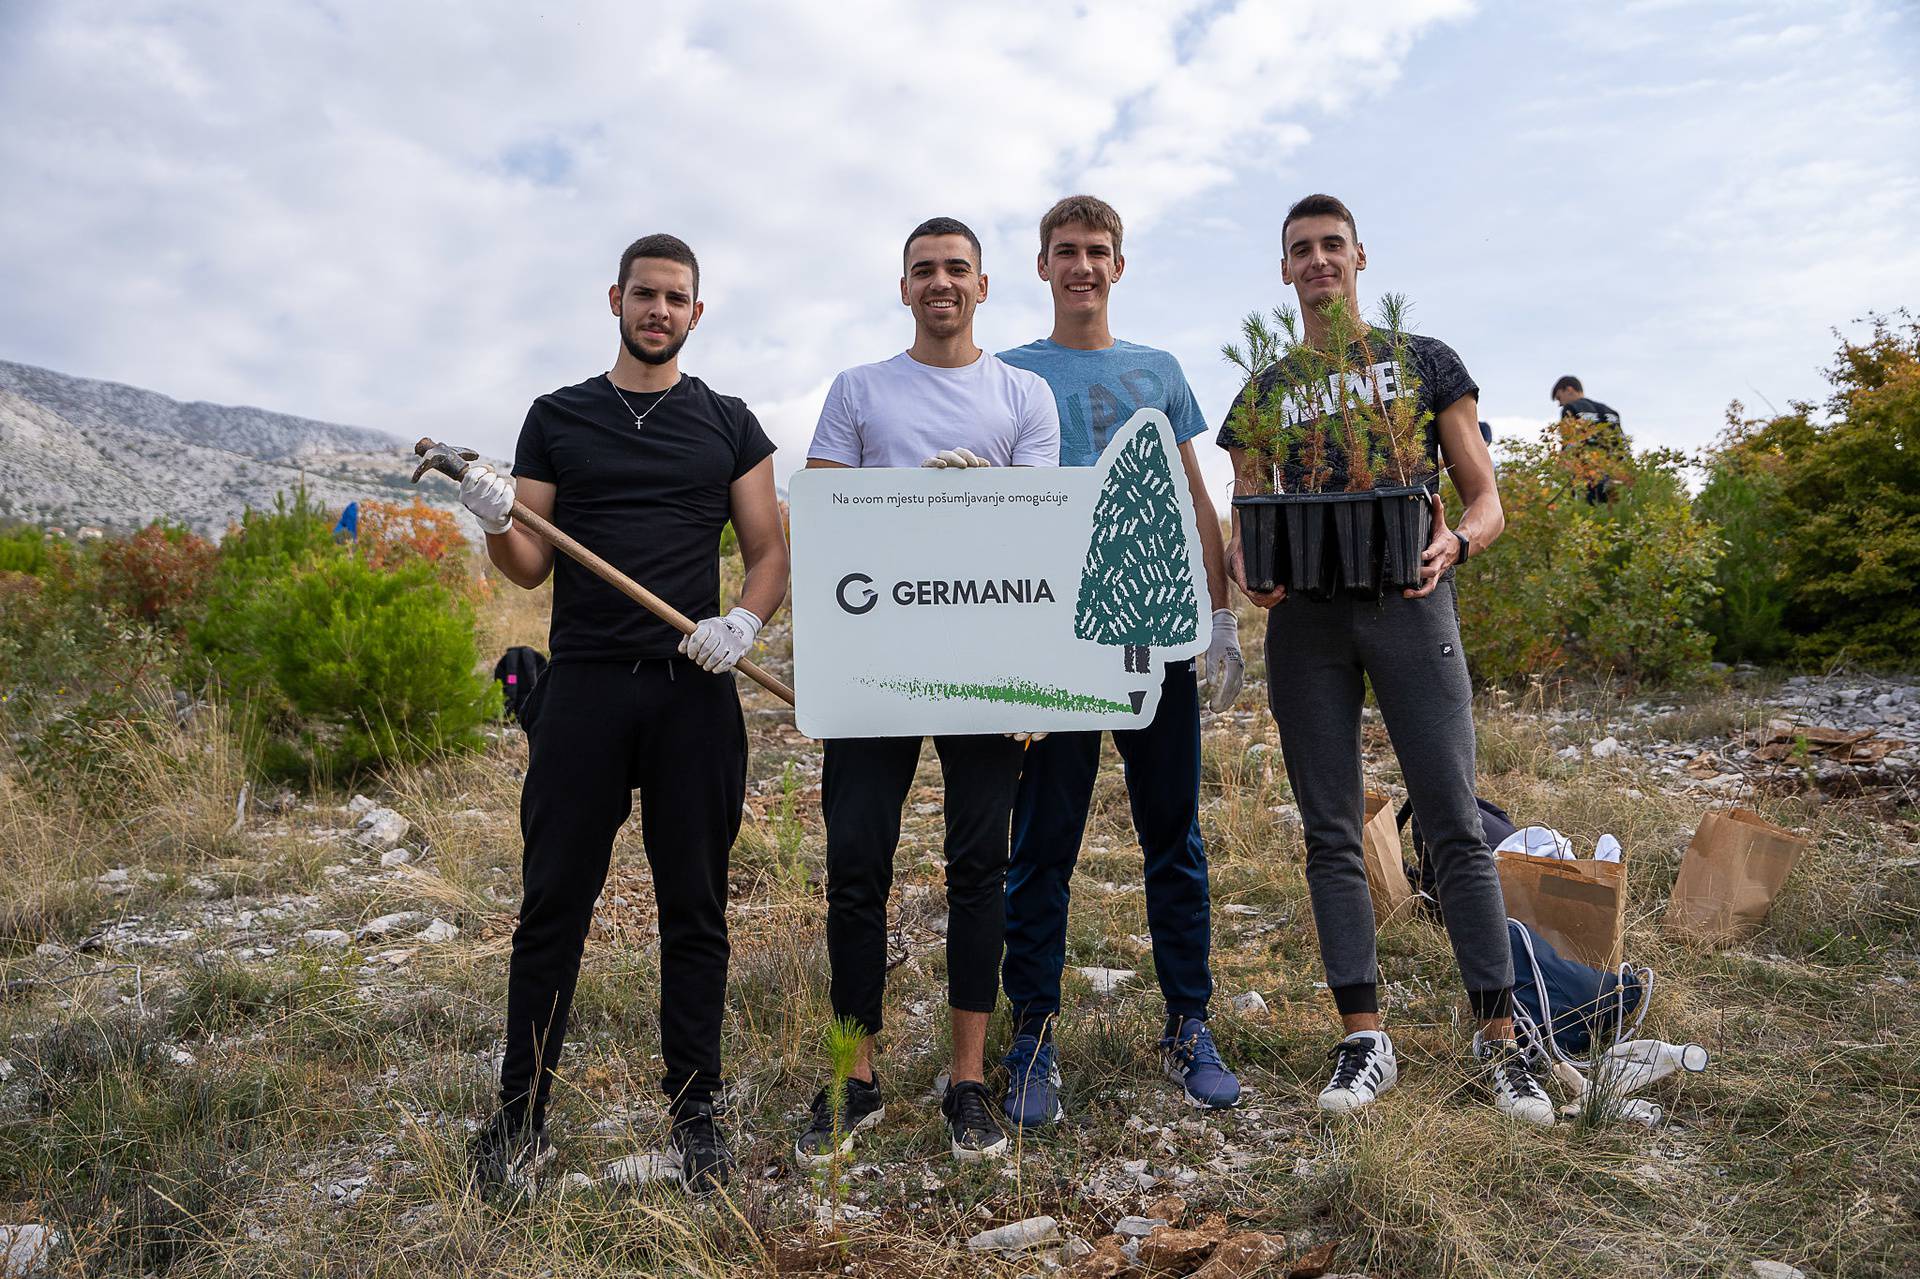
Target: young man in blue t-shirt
x: 1098, y: 384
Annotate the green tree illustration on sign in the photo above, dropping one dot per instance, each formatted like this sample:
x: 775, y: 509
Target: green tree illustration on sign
x: 1136, y: 590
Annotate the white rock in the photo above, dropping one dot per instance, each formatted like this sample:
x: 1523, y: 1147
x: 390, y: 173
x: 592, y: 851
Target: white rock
x: 381, y: 828
x: 181, y: 1057
x: 25, y: 1250
x: 1606, y: 748
x: 1106, y: 980
x: 49, y: 950
x: 1568, y: 752
x: 396, y: 857
x: 438, y: 931
x: 1018, y: 1237
x: 6, y: 1070
x: 360, y: 804
x: 1251, y: 1004
x: 393, y: 923
x: 1137, y: 1227
x: 640, y: 1170
x: 1776, y: 1270
x: 574, y: 1182
x: 330, y: 937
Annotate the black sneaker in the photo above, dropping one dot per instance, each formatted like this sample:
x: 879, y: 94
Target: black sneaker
x: 705, y: 1163
x: 976, y: 1134
x: 860, y: 1110
x: 506, y: 1153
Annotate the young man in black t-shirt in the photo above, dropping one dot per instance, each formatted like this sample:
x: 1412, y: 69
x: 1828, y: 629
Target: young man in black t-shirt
x: 1591, y: 431
x: 1321, y: 654
x: 644, y: 465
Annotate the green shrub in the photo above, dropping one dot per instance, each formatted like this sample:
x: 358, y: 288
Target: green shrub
x: 1742, y: 498
x: 264, y: 548
x: 380, y: 666
x: 1837, y: 494
x: 1615, y: 589
x: 27, y: 550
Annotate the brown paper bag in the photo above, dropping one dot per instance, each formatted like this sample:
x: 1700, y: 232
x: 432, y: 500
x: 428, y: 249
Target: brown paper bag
x: 1733, y: 870
x: 1580, y: 906
x: 1386, y: 871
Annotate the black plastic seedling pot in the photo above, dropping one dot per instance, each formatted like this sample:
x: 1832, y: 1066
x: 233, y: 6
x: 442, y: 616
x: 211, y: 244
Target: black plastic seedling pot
x: 1263, y: 541
x: 1406, y: 526
x: 1355, y: 516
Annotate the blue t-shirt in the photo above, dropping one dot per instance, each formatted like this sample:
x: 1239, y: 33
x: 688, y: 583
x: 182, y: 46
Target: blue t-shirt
x: 1097, y: 391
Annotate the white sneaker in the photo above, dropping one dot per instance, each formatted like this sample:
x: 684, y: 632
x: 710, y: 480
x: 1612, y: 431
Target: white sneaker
x: 1363, y: 1068
x: 1517, y: 1093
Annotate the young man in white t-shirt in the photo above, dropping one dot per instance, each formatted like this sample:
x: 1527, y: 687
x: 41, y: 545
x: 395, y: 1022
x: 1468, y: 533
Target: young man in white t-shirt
x: 942, y: 403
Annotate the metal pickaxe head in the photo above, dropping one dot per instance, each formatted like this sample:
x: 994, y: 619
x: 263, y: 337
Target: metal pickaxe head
x: 450, y: 459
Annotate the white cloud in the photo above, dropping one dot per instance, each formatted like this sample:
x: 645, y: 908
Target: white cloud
x: 406, y: 216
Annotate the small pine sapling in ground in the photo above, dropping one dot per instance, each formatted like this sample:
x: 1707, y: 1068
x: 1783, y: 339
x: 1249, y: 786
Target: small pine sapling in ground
x: 844, y: 1037
x: 1404, y: 424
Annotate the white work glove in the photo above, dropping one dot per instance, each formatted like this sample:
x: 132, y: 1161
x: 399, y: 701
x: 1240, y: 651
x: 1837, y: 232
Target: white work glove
x: 717, y: 643
x: 960, y: 458
x: 1225, y: 667
x: 1027, y: 739
x: 489, y: 495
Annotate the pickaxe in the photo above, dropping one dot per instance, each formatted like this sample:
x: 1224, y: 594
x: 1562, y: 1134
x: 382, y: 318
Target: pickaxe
x: 452, y: 460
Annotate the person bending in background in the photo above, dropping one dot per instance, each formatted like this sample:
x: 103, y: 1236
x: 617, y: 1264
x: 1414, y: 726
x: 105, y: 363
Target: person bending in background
x: 1592, y: 438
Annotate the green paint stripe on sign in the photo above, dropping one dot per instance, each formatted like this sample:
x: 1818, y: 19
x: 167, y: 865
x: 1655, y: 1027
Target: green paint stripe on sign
x: 1017, y: 692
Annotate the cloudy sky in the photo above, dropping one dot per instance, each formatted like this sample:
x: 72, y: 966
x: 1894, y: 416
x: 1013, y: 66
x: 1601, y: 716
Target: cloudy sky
x: 405, y: 215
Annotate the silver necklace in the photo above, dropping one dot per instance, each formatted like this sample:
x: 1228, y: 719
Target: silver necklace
x: 638, y: 418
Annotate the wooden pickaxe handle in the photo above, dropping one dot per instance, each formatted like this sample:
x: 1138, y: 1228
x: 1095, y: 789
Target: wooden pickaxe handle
x: 612, y: 576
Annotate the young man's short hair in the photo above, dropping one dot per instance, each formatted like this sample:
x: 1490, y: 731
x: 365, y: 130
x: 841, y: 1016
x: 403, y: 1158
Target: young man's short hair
x: 1569, y: 383
x: 1084, y: 210
x: 660, y: 245
x: 1319, y: 206
x: 941, y: 226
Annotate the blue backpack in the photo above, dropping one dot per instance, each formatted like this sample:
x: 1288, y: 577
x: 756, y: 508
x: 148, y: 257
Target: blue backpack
x: 1573, y: 1003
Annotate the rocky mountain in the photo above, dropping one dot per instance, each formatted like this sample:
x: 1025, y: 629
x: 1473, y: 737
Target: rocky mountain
x: 77, y: 452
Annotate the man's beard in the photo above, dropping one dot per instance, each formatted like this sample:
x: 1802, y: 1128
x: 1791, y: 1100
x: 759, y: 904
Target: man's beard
x: 663, y: 356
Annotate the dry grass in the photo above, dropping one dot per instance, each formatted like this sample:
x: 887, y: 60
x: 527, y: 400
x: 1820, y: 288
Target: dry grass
x: 315, y: 1066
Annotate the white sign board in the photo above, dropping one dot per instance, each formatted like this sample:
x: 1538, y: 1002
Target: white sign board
x: 995, y: 599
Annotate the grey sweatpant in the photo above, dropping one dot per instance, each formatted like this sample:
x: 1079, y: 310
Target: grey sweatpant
x: 1317, y: 655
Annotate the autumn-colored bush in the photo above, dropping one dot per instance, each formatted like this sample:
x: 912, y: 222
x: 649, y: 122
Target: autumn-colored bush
x: 158, y: 575
x: 1613, y: 589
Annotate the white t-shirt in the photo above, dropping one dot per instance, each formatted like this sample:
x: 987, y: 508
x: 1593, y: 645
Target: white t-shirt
x: 901, y: 412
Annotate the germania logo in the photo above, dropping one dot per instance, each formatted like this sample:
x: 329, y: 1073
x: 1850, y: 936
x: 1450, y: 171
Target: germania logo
x: 856, y: 594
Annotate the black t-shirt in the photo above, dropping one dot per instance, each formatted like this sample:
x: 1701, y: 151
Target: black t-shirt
x: 1442, y: 378
x: 650, y: 500
x: 1603, y: 431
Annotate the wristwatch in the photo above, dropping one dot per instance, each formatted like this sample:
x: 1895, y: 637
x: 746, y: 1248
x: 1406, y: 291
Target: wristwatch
x: 1464, y: 547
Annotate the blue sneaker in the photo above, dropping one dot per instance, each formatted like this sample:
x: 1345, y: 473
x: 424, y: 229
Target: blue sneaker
x: 1033, y: 1083
x: 1189, y: 1059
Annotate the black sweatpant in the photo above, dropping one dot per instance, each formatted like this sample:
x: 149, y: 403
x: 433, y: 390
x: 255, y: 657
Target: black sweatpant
x: 600, y: 731
x: 1319, y: 652
x: 863, y: 785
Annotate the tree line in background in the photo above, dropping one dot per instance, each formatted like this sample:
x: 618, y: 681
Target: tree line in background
x: 342, y: 654
x: 1801, y: 547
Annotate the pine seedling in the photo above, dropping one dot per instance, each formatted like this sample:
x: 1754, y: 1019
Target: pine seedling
x: 844, y: 1036
x: 1404, y: 423
x: 1261, y: 423
x: 1358, y: 413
